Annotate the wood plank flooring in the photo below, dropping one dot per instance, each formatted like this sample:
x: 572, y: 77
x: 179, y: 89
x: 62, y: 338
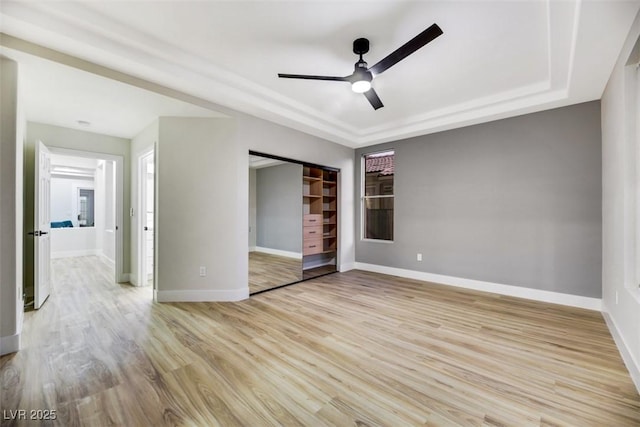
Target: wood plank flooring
x: 348, y: 349
x: 318, y: 271
x: 268, y: 271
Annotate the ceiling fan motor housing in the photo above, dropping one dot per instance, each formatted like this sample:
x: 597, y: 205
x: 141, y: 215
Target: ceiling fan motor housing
x: 360, y: 69
x: 361, y: 73
x: 360, y: 46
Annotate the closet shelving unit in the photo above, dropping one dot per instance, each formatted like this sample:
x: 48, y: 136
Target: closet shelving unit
x: 320, y: 220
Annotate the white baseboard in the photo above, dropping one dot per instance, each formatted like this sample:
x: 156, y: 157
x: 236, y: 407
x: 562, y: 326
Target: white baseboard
x: 633, y: 366
x: 111, y: 263
x: 71, y: 254
x: 133, y: 279
x: 9, y: 344
x: 347, y: 266
x: 252, y: 248
x: 203, y: 295
x: 287, y: 254
x: 496, y: 288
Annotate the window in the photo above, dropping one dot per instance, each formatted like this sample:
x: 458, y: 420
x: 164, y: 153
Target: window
x: 85, y: 207
x: 377, y: 199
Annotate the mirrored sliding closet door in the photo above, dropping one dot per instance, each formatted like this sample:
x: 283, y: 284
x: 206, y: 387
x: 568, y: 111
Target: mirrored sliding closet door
x: 293, y: 221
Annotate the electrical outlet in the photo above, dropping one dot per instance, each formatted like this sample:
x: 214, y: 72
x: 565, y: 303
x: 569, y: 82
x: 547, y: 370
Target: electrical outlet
x: 203, y: 271
x: 419, y: 257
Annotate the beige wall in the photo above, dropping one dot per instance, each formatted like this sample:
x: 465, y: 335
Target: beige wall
x: 11, y: 203
x: 620, y: 177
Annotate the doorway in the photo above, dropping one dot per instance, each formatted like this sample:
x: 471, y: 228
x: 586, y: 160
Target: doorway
x: 96, y: 204
x: 146, y: 222
x: 83, y: 211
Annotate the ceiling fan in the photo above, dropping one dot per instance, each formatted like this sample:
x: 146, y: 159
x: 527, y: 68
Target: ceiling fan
x: 362, y: 75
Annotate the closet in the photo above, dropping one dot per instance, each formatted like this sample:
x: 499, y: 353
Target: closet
x: 293, y: 221
x: 320, y: 220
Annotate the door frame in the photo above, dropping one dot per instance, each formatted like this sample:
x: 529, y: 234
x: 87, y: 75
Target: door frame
x: 143, y: 156
x: 120, y: 275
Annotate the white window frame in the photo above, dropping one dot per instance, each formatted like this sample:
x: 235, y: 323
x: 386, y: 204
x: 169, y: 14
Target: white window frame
x: 75, y: 201
x: 363, y: 197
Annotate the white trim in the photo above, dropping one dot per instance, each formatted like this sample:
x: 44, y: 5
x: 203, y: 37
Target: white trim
x: 496, y: 288
x: 9, y: 344
x: 252, y: 248
x: 347, y: 266
x: 75, y: 198
x: 146, y: 155
x: 308, y: 264
x: 286, y: 254
x: 111, y: 263
x: 364, y: 197
x: 71, y: 254
x: 133, y: 279
x: 627, y: 356
x: 203, y: 295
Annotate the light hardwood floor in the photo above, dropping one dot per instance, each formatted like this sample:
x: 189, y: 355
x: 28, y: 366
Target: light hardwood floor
x: 268, y: 271
x: 347, y: 349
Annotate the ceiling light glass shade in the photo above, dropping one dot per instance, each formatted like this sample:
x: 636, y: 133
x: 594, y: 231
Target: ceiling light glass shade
x: 361, y: 86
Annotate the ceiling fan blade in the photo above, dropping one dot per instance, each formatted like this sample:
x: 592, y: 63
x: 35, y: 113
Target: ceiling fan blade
x: 307, y: 77
x: 407, y: 49
x: 374, y: 99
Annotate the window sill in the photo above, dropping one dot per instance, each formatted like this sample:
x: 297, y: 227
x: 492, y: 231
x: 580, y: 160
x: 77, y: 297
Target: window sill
x: 376, y: 241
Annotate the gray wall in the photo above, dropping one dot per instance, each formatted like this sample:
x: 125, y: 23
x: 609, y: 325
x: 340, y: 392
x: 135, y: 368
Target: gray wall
x: 279, y: 207
x: 11, y: 205
x: 252, y: 208
x: 515, y: 201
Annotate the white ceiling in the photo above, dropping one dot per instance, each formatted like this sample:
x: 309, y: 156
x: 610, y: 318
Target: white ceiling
x: 59, y: 95
x: 496, y: 58
x: 73, y: 161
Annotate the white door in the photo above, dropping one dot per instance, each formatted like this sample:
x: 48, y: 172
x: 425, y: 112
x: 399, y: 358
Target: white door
x: 147, y: 204
x: 42, y: 223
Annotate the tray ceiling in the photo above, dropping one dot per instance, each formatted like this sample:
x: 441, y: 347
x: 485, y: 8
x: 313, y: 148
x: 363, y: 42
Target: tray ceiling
x: 495, y: 59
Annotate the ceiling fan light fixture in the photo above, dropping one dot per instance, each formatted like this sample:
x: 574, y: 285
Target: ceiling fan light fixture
x: 363, y: 74
x: 361, y: 78
x: 361, y: 86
